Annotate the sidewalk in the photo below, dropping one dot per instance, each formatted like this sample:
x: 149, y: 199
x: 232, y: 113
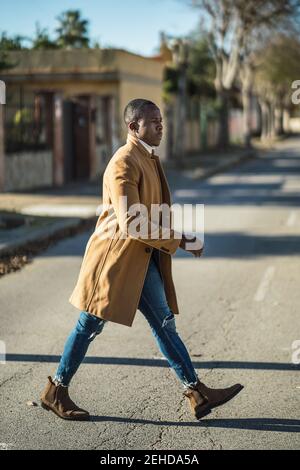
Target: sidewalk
x: 203, y: 166
x: 31, y: 220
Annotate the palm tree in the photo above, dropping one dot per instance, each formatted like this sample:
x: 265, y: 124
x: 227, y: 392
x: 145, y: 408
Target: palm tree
x: 72, y: 30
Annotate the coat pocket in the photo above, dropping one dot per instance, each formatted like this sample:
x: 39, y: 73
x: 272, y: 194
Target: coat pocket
x: 120, y: 246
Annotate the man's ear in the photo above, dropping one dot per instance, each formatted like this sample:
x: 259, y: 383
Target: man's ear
x: 133, y: 126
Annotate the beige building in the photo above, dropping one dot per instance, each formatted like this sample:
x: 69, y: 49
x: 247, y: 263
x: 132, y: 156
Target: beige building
x: 63, y: 117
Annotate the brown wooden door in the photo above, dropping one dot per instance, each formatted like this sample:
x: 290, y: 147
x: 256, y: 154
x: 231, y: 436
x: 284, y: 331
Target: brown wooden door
x: 81, y: 133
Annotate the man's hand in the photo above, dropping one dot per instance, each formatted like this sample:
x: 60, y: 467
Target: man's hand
x: 197, y: 250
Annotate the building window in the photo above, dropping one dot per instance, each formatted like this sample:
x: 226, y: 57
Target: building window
x: 28, y: 116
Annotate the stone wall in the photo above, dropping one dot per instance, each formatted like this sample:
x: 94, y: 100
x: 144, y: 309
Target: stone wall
x: 28, y: 170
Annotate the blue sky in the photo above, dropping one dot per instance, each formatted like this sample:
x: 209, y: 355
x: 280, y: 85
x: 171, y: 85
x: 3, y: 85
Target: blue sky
x: 129, y: 24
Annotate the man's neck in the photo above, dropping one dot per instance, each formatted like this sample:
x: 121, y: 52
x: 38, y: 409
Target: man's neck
x: 147, y: 146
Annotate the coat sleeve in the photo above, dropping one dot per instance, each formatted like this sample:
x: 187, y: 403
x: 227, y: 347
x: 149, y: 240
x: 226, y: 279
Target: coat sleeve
x: 132, y: 216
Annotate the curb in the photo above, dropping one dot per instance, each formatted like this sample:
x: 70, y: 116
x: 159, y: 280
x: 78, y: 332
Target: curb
x: 235, y: 161
x: 16, y: 253
x: 54, y: 230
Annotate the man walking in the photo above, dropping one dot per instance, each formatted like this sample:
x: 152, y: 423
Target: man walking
x: 131, y: 269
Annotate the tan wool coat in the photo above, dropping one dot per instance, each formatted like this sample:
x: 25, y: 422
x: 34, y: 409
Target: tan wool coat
x: 114, y: 268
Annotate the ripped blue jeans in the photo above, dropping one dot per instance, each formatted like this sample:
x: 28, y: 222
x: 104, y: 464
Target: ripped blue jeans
x: 153, y: 305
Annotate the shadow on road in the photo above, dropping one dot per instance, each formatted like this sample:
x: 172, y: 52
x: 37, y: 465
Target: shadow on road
x: 243, y: 245
x: 259, y: 182
x: 217, y: 245
x: 131, y: 361
x: 257, y: 424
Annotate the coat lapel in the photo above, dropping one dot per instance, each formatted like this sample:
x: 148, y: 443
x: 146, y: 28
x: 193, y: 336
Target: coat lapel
x: 164, y: 183
x: 166, y: 193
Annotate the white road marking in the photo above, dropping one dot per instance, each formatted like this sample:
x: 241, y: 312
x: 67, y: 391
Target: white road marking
x: 291, y: 219
x: 61, y: 210
x: 291, y: 186
x: 250, y: 179
x: 264, y: 284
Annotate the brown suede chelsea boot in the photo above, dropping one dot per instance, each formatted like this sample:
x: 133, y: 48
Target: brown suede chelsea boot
x: 202, y: 398
x: 56, y: 398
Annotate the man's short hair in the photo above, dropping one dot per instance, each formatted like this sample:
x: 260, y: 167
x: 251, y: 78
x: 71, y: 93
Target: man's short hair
x: 136, y: 109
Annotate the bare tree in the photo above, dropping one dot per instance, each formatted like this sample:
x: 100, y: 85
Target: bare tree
x: 275, y: 71
x: 230, y: 24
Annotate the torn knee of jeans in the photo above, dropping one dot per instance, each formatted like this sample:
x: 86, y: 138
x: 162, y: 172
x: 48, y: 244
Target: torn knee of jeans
x: 92, y: 336
x: 169, y: 322
x: 98, y: 330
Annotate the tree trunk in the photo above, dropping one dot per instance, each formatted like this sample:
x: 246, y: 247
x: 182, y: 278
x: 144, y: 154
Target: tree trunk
x: 272, y: 132
x: 223, y: 137
x: 264, y: 119
x: 246, y: 97
x: 286, y: 120
x: 247, y: 78
x: 279, y: 120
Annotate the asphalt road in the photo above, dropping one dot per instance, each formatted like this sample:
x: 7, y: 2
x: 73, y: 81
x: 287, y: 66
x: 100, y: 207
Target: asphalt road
x: 239, y: 318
